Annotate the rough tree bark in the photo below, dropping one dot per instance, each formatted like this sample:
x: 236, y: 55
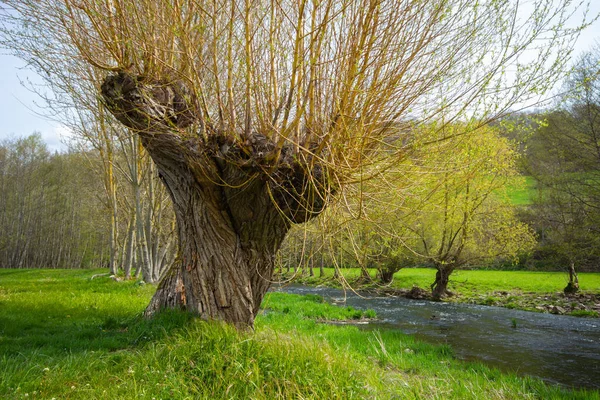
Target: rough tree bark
x: 439, y: 288
x: 234, y: 200
x: 386, y: 275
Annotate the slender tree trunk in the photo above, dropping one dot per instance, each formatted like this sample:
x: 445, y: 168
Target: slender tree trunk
x: 321, y: 265
x: 142, y: 240
x: 152, y: 239
x: 279, y: 263
x: 129, y: 247
x: 113, y: 240
x: 107, y: 154
x: 573, y: 285
x: 141, y: 236
x: 137, y: 263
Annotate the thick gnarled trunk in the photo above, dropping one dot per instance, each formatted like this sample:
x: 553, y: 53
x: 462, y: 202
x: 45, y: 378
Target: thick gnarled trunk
x: 170, y: 293
x: 225, y: 266
x: 234, y: 200
x: 439, y: 288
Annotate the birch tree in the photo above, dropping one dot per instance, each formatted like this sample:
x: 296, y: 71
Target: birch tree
x: 49, y: 213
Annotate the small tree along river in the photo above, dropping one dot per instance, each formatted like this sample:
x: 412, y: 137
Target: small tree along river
x: 559, y: 349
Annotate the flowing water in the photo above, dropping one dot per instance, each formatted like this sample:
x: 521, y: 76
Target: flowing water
x: 559, y: 349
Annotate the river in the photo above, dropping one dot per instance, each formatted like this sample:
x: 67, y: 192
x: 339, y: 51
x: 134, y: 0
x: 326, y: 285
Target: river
x: 556, y: 348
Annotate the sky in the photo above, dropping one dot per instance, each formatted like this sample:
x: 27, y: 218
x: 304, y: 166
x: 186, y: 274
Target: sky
x: 20, y: 114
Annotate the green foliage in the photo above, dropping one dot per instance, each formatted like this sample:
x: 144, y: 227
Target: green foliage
x: 564, y: 157
x: 447, y: 204
x: 465, y: 217
x: 521, y: 190
x: 65, y: 336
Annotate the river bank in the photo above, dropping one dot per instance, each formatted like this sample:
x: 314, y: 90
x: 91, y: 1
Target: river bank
x: 557, y: 348
x: 63, y: 335
x: 521, y: 290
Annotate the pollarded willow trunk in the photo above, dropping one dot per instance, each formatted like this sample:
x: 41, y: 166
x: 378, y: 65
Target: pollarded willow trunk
x: 439, y: 288
x: 386, y: 274
x: 234, y: 200
x: 226, y: 255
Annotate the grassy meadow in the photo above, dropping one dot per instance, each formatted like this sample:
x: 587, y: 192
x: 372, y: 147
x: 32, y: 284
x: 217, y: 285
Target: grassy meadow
x: 539, y: 291
x: 64, y: 336
x: 521, y: 190
x: 476, y: 281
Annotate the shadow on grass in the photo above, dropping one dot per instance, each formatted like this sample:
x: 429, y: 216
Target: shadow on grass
x: 52, y: 328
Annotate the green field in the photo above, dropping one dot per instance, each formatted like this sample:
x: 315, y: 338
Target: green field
x: 525, y: 290
x: 65, y: 336
x: 478, y: 281
x: 521, y: 190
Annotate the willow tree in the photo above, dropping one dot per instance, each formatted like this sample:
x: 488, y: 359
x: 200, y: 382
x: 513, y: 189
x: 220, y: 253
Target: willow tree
x: 464, y: 215
x: 257, y: 112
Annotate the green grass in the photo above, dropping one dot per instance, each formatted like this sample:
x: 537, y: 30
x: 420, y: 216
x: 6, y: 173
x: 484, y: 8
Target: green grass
x: 526, y: 281
x: 584, y: 313
x: 311, y: 306
x: 480, y: 281
x: 521, y: 190
x: 64, y: 336
x: 524, y: 290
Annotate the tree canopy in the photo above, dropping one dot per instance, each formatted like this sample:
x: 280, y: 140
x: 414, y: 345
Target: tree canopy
x: 330, y: 78
x: 563, y: 155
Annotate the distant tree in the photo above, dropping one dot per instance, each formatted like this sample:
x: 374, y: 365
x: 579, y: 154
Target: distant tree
x: 458, y: 213
x: 256, y: 113
x: 378, y: 240
x: 563, y: 155
x: 445, y: 205
x: 49, y: 213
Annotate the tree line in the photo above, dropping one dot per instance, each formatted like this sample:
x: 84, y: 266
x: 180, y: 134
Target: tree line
x: 51, y: 212
x: 56, y: 211
x: 563, y: 156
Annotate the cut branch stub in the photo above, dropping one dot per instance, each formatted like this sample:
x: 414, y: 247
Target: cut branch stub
x: 146, y: 106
